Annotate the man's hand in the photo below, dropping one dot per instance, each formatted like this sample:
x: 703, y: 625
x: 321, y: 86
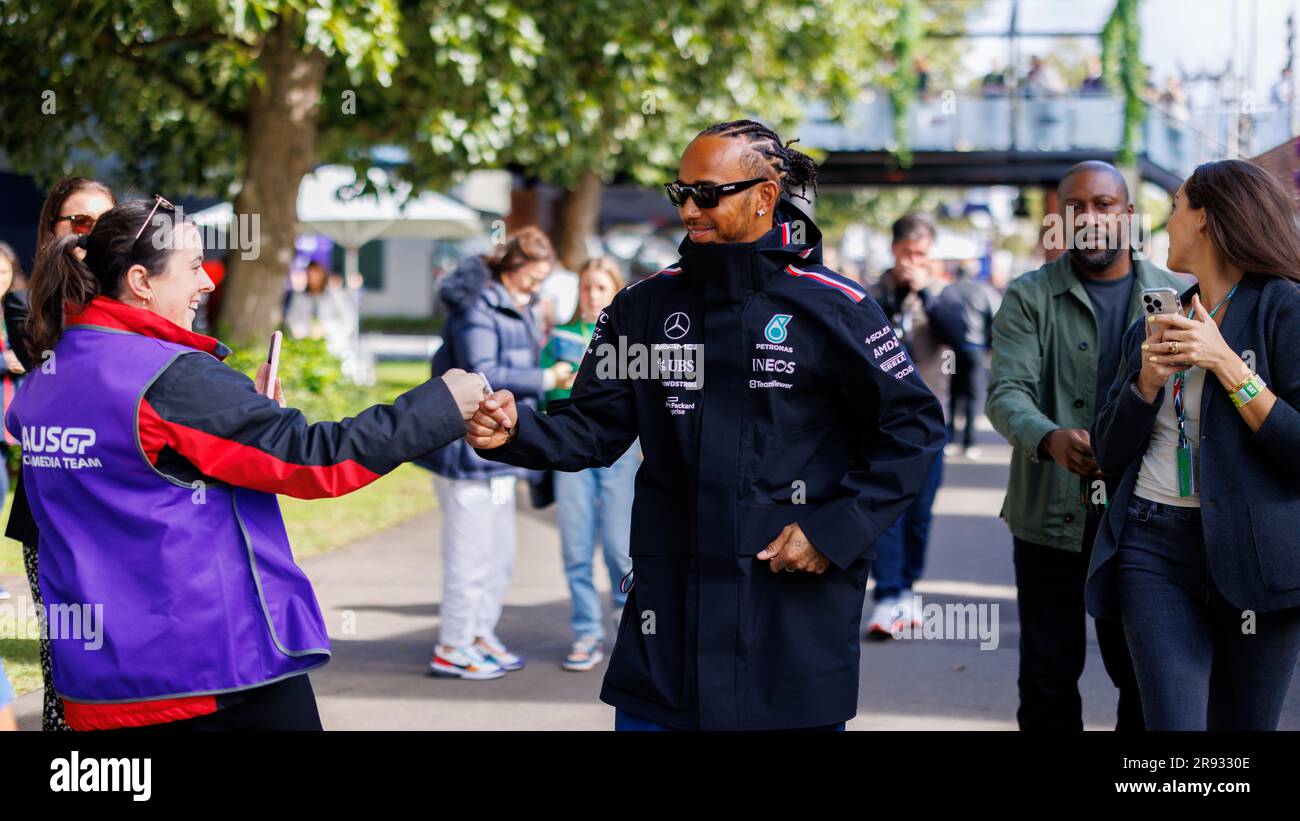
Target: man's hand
x: 1071, y: 448
x: 494, y: 423
x: 467, y: 389
x: 792, y: 551
x: 913, y: 275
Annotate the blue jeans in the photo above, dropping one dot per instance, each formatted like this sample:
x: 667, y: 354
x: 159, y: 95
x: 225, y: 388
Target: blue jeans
x: 1197, y: 667
x: 900, y: 550
x: 626, y: 722
x: 6, y: 689
x: 592, y: 503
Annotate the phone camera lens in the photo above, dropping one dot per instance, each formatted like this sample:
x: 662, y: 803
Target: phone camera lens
x: 1157, y: 303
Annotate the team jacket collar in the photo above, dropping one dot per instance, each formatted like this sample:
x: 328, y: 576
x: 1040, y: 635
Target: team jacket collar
x: 103, y: 312
x: 739, y: 268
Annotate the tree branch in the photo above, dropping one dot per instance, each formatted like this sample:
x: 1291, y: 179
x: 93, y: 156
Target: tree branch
x: 164, y: 74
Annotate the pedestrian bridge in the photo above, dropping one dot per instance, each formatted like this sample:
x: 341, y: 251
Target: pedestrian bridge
x: 969, y: 140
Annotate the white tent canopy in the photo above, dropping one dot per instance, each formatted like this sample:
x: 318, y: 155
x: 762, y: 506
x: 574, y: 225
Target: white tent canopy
x: 328, y: 205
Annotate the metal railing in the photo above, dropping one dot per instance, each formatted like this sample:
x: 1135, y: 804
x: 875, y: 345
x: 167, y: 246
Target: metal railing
x: 1082, y: 122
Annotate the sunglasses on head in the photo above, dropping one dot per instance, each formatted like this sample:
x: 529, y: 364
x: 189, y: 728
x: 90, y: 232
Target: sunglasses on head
x: 81, y: 223
x: 706, y: 194
x: 158, y: 200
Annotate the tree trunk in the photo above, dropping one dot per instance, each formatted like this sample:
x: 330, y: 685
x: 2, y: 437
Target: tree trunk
x: 580, y: 212
x: 279, y: 149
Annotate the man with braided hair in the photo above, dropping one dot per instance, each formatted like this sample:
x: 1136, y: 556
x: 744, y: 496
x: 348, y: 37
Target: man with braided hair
x: 783, y: 426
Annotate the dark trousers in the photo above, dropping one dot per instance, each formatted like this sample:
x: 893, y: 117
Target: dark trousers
x: 285, y: 705
x: 1201, y: 663
x: 1053, y: 640
x: 900, y: 550
x: 969, y: 383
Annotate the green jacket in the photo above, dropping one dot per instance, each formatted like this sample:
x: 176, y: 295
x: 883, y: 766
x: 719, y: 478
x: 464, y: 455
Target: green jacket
x: 1044, y: 376
x: 567, y: 342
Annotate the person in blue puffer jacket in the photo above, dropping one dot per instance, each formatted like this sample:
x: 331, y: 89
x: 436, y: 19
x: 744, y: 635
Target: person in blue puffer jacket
x: 489, y: 330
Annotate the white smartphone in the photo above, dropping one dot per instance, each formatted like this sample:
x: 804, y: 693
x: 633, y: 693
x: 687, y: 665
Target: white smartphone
x: 273, y: 363
x: 1161, y: 301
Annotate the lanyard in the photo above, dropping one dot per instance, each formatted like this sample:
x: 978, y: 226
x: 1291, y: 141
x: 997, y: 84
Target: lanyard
x: 1180, y: 378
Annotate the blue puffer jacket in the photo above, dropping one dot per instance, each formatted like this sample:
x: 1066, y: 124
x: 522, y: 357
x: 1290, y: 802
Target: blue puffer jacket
x: 485, y: 331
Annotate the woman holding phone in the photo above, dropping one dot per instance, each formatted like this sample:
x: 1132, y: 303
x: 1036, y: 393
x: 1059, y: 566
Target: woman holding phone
x: 1202, y: 433
x: 152, y: 471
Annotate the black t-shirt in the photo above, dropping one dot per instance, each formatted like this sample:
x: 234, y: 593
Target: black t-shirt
x: 1110, y: 303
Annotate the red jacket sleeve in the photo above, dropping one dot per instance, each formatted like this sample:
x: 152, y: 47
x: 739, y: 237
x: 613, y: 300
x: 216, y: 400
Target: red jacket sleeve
x: 202, y: 413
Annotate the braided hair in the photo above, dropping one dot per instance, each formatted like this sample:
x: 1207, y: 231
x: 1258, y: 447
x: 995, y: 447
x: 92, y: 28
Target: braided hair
x: 794, y: 169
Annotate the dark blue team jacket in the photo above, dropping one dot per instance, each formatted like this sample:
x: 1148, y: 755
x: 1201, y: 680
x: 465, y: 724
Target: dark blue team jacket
x: 777, y: 393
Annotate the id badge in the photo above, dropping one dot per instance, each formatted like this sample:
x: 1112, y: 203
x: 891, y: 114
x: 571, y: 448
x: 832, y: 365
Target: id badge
x: 1186, y: 484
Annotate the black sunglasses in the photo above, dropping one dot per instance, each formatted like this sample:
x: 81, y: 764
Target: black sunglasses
x: 706, y: 194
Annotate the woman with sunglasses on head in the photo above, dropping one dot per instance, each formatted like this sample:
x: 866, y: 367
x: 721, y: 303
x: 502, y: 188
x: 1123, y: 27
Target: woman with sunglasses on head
x: 1202, y: 433
x: 152, y: 471
x: 71, y: 207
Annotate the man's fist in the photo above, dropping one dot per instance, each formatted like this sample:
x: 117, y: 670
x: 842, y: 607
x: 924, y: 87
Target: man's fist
x: 792, y: 551
x: 494, y: 423
x: 1071, y: 448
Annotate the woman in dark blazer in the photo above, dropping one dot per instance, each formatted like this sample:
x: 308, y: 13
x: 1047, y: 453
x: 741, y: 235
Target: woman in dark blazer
x: 1206, y: 573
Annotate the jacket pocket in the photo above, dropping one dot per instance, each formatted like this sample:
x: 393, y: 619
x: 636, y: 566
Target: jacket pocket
x: 796, y: 628
x: 1273, y: 527
x: 649, y: 658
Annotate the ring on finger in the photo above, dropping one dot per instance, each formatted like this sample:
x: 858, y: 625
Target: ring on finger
x: 1173, y: 346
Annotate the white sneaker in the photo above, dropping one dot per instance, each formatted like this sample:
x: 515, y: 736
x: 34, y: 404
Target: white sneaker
x: 951, y: 449
x: 585, y: 654
x: 973, y: 453
x: 463, y: 662
x: 909, y: 611
x: 494, y: 651
x: 882, y: 619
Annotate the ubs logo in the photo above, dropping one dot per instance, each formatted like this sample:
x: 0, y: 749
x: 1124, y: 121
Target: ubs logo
x: 676, y: 325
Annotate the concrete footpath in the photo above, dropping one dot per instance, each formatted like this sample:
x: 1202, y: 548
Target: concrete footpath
x: 380, y: 597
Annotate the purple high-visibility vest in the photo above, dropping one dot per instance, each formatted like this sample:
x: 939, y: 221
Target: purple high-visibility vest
x: 198, y: 587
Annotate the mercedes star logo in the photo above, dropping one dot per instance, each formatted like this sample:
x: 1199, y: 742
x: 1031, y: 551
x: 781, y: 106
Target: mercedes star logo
x: 676, y: 325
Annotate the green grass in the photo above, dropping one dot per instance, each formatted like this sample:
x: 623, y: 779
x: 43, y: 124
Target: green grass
x: 22, y: 663
x: 393, y: 378
x: 11, y: 553
x: 320, y: 525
